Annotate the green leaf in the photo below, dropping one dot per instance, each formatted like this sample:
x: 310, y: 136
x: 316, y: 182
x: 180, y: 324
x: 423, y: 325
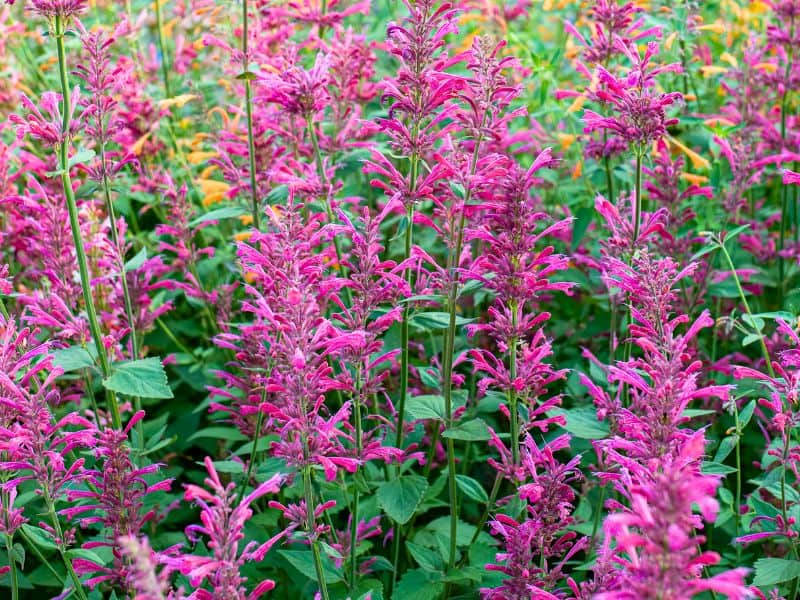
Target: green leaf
x: 746, y: 414
x: 582, y: 422
x: 86, y: 555
x: 137, y: 261
x: 715, y: 468
x: 219, y: 433
x: 139, y: 378
x: 425, y: 557
x: 726, y: 446
x: 691, y: 413
x: 583, y: 219
x: 303, y: 561
x: 425, y: 407
x: 469, y: 431
x: 399, y: 498
x: 248, y: 75
x: 472, y: 489
x: 81, y: 156
x: 278, y: 195
x: 227, y: 466
x: 436, y: 320
x: 226, y: 212
x: 39, y: 537
x: 770, y: 571
x: 756, y: 323
x: 750, y: 338
x: 418, y: 585
x: 73, y: 358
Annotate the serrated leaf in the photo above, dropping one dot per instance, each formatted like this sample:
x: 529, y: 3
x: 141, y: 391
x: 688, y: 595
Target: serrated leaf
x: 425, y: 407
x: 73, y: 358
x: 474, y: 430
x: 399, y: 498
x: 303, y: 561
x: 770, y: 571
x: 417, y: 584
x: 137, y: 261
x: 582, y: 422
x: 472, y: 489
x: 226, y: 212
x: 144, y: 378
x: 425, y: 557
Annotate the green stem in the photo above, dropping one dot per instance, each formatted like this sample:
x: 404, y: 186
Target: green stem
x: 35, y: 549
x: 599, y: 514
x: 447, y: 358
x: 123, y: 279
x: 312, y: 134
x: 169, y: 333
x: 356, y: 494
x: 743, y: 297
x: 784, y: 187
x: 61, y: 549
x: 248, y: 99
x: 66, y: 183
x: 512, y: 393
x: 12, y: 564
x: 311, y: 526
x: 254, y: 450
x: 126, y: 294
x: 498, y: 480
x: 404, y: 353
x: 737, y: 523
x: 637, y: 200
x: 162, y: 48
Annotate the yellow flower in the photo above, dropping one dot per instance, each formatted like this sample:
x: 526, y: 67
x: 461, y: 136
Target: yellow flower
x: 578, y: 170
x: 713, y: 27
x: 136, y: 149
x: 197, y: 157
x: 242, y: 236
x: 708, y: 70
x: 769, y: 67
x: 566, y: 140
x: 730, y: 59
x: 698, y: 162
x: 694, y: 179
x: 177, y: 101
x: 213, y: 191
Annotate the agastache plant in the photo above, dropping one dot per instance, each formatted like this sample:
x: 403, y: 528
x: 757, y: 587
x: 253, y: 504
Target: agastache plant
x: 56, y: 130
x: 451, y: 302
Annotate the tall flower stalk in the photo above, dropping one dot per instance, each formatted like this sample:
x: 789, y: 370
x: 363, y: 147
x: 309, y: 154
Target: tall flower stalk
x: 60, y: 25
x: 162, y: 48
x: 248, y: 100
x: 420, y: 99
